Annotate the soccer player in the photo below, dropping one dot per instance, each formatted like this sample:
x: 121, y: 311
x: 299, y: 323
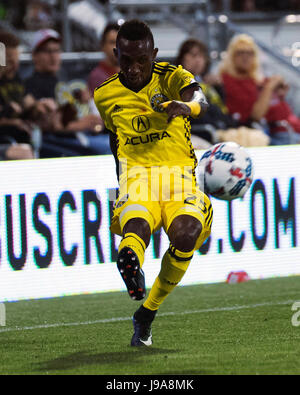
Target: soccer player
x: 146, y: 108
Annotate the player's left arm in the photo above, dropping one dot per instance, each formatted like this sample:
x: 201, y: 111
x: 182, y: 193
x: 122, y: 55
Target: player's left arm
x: 193, y: 103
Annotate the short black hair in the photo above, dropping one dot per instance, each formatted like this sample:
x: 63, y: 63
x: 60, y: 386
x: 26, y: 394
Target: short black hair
x: 111, y: 26
x: 135, y: 30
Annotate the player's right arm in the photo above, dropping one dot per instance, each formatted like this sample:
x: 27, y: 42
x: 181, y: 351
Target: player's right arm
x: 185, y: 94
x: 193, y: 104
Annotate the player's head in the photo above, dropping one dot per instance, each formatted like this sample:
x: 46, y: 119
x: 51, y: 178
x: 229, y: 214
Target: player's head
x: 135, y: 52
x: 11, y: 43
x: 108, y: 42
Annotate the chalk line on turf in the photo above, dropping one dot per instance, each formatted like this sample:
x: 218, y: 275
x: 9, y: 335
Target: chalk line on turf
x: 118, y: 319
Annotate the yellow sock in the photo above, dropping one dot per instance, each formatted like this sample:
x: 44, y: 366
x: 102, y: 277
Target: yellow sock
x: 173, y: 267
x: 137, y: 244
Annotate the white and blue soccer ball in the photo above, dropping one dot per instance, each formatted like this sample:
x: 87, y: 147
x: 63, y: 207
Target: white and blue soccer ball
x: 225, y: 171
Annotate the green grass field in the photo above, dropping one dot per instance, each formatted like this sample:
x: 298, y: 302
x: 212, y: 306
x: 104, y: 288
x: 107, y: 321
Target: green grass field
x: 205, y: 329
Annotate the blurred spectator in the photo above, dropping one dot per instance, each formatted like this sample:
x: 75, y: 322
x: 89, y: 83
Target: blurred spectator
x: 244, y: 5
x: 109, y: 65
x: 277, y: 5
x: 249, y: 5
x: 70, y: 129
x: 15, y: 130
x: 294, y: 5
x: 264, y: 5
x: 193, y: 56
x: 250, y: 97
x: 38, y: 15
x: 216, y: 124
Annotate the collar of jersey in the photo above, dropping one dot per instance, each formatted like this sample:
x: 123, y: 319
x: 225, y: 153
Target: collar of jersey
x: 121, y: 78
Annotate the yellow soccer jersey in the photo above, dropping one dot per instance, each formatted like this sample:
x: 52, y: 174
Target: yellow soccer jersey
x: 144, y: 137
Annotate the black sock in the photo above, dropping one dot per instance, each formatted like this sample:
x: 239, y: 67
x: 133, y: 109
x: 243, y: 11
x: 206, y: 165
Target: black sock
x: 145, y: 315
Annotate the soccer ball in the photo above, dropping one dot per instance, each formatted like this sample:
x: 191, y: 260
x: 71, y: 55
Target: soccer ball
x: 225, y: 171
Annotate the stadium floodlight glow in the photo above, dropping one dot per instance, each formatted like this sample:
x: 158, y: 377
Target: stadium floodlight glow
x: 211, y: 19
x: 292, y: 18
x: 223, y: 55
x: 223, y: 19
x: 214, y: 54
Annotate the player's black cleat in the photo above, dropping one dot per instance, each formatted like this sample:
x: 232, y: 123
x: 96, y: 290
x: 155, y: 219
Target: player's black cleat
x: 142, y: 334
x: 133, y: 276
x: 142, y: 320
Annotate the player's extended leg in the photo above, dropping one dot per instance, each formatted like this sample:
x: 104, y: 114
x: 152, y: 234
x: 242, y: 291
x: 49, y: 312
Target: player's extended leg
x: 136, y: 237
x: 183, y: 233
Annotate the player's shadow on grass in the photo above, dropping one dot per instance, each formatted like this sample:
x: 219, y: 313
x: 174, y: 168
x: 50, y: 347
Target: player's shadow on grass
x: 82, y: 358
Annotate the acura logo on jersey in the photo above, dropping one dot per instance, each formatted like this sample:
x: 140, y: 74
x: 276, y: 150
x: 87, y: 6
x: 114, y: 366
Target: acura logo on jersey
x: 141, y: 123
x: 148, y: 138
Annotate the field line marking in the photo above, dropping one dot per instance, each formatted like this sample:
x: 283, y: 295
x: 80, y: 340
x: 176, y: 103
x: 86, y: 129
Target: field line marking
x: 119, y: 319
